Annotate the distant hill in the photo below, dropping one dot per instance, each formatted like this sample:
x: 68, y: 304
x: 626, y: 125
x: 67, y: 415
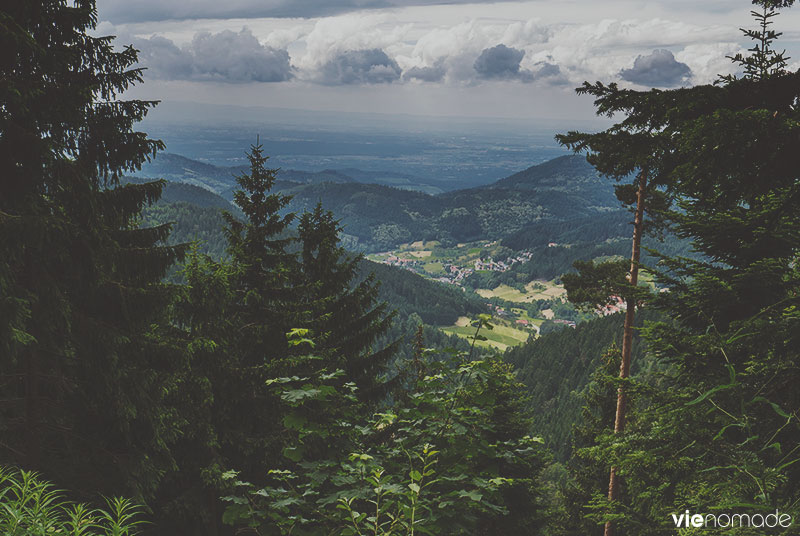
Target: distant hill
x: 559, y: 192
x: 220, y: 179
x: 436, y: 303
x: 179, y: 192
x: 555, y: 195
x: 568, y: 174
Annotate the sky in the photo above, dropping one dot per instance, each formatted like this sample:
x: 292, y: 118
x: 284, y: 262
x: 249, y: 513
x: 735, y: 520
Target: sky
x: 428, y: 57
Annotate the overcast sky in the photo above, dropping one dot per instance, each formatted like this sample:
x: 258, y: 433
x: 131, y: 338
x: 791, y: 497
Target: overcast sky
x: 428, y: 57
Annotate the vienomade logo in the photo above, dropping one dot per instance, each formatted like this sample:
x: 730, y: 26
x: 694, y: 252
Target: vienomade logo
x: 687, y: 519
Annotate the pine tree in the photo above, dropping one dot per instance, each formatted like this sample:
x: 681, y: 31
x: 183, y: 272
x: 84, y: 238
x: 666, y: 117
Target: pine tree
x: 720, y: 431
x: 588, y: 474
x: 345, y: 319
x: 265, y: 268
x: 85, y: 380
x: 243, y: 309
x: 623, y: 151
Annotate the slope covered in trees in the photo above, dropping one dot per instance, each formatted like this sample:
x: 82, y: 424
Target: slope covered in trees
x: 381, y: 217
x: 557, y: 367
x: 266, y: 395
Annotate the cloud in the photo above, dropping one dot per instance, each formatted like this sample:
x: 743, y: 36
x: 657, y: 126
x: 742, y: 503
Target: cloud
x: 657, y: 69
x: 499, y: 62
x: 373, y: 46
x: 434, y: 73
x: 225, y: 56
x: 127, y: 11
x: 370, y: 66
x: 549, y: 73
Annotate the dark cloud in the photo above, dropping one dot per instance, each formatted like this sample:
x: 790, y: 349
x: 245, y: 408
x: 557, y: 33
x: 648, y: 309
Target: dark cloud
x: 123, y: 11
x: 371, y: 66
x: 426, y: 74
x: 500, y: 62
x: 226, y: 56
x: 547, y: 70
x: 549, y: 73
x: 658, y: 69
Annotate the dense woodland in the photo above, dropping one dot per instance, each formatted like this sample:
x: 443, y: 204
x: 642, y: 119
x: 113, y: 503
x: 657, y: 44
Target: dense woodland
x: 268, y: 389
x: 378, y: 217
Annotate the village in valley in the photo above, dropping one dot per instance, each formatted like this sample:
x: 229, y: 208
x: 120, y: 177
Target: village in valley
x: 519, y: 311
x: 432, y: 261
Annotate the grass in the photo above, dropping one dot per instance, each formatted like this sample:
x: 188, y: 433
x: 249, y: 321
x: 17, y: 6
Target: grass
x: 522, y: 313
x: 435, y: 268
x: 501, y: 337
x: 533, y: 292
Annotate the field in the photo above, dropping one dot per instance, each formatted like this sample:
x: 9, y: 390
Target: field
x: 535, y: 290
x: 501, y: 337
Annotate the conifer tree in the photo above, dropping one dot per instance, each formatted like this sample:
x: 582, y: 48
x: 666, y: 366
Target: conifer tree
x: 85, y: 380
x: 246, y: 326
x: 720, y: 431
x: 621, y: 152
x: 343, y: 315
x: 265, y: 268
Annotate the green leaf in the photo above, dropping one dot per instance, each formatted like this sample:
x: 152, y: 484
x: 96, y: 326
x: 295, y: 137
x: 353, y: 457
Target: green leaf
x: 710, y: 392
x: 774, y: 406
x: 473, y: 495
x: 295, y: 420
x: 293, y: 453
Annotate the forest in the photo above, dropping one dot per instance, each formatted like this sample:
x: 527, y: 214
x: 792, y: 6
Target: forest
x: 274, y: 386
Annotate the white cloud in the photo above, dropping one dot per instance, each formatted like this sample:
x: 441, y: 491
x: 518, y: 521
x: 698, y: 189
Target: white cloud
x: 367, y: 66
x: 424, y: 52
x: 225, y: 56
x: 708, y: 60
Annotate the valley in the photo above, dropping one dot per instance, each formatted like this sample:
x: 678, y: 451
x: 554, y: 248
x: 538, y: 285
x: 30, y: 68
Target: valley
x: 517, y: 312
x: 500, y: 248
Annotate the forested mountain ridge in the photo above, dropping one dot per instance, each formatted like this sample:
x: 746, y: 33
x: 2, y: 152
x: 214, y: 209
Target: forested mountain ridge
x: 268, y: 393
x: 196, y: 216
x: 380, y: 217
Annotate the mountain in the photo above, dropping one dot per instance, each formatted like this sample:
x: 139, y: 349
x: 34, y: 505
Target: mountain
x: 220, y: 179
x: 180, y: 192
x: 553, y: 196
x: 569, y: 174
x: 380, y: 217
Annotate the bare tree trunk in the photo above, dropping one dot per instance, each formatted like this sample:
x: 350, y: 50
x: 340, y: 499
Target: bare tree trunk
x: 627, y: 339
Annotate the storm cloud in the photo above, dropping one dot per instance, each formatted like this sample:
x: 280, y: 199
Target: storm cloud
x: 499, y: 62
x: 225, y: 56
x: 125, y: 11
x: 657, y: 69
x: 369, y: 66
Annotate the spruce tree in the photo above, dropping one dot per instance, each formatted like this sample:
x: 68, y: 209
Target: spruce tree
x: 266, y: 270
x: 247, y: 327
x: 720, y: 430
x: 343, y: 315
x: 85, y: 380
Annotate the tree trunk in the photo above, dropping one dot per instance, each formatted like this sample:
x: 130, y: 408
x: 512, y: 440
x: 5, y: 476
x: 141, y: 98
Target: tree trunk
x: 627, y: 339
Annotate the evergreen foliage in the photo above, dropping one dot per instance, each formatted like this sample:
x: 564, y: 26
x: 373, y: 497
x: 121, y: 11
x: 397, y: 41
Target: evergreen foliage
x: 85, y: 381
x: 557, y: 367
x: 341, y: 314
x: 718, y: 431
x: 451, y: 456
